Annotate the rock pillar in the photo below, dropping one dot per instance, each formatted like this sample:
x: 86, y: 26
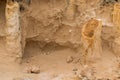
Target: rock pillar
x: 13, y: 38
x: 91, y: 39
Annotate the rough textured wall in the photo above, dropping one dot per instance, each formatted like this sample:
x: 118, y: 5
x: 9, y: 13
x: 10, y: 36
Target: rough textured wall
x: 58, y: 21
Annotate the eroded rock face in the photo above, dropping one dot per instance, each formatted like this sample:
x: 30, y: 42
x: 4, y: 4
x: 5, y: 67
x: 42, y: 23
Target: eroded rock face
x: 51, y: 23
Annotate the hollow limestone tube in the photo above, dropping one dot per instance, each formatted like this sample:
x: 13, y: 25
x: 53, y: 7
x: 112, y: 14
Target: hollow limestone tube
x: 13, y: 38
x: 116, y: 21
x: 116, y: 16
x: 91, y: 40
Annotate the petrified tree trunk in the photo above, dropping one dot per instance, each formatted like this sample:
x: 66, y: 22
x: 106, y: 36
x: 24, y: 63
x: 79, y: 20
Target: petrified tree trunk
x: 91, y: 39
x: 116, y: 21
x: 116, y: 16
x: 13, y: 38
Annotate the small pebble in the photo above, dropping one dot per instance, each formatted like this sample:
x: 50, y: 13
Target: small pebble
x: 33, y: 69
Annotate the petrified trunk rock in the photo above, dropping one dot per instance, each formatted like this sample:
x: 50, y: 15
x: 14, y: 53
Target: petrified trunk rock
x: 13, y: 38
x: 116, y: 21
x: 116, y: 15
x: 91, y: 39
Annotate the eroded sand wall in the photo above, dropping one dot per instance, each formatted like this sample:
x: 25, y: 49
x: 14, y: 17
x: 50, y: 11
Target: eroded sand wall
x: 49, y: 23
x: 56, y: 21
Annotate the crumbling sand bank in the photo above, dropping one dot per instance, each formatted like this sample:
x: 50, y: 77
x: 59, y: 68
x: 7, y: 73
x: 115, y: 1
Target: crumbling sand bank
x: 59, y: 40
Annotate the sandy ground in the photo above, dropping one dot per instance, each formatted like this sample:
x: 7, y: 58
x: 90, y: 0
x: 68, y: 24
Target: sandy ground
x: 55, y: 62
x: 53, y: 65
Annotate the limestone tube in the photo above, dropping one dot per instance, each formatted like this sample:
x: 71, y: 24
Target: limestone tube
x: 116, y: 21
x: 13, y: 38
x: 116, y: 16
x: 91, y: 39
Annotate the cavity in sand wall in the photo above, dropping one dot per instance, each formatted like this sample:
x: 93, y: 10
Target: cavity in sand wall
x: 91, y: 39
x: 13, y: 38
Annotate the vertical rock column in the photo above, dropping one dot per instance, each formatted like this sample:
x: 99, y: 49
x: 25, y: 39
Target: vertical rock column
x: 91, y: 40
x: 116, y: 16
x: 116, y: 21
x: 13, y: 38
